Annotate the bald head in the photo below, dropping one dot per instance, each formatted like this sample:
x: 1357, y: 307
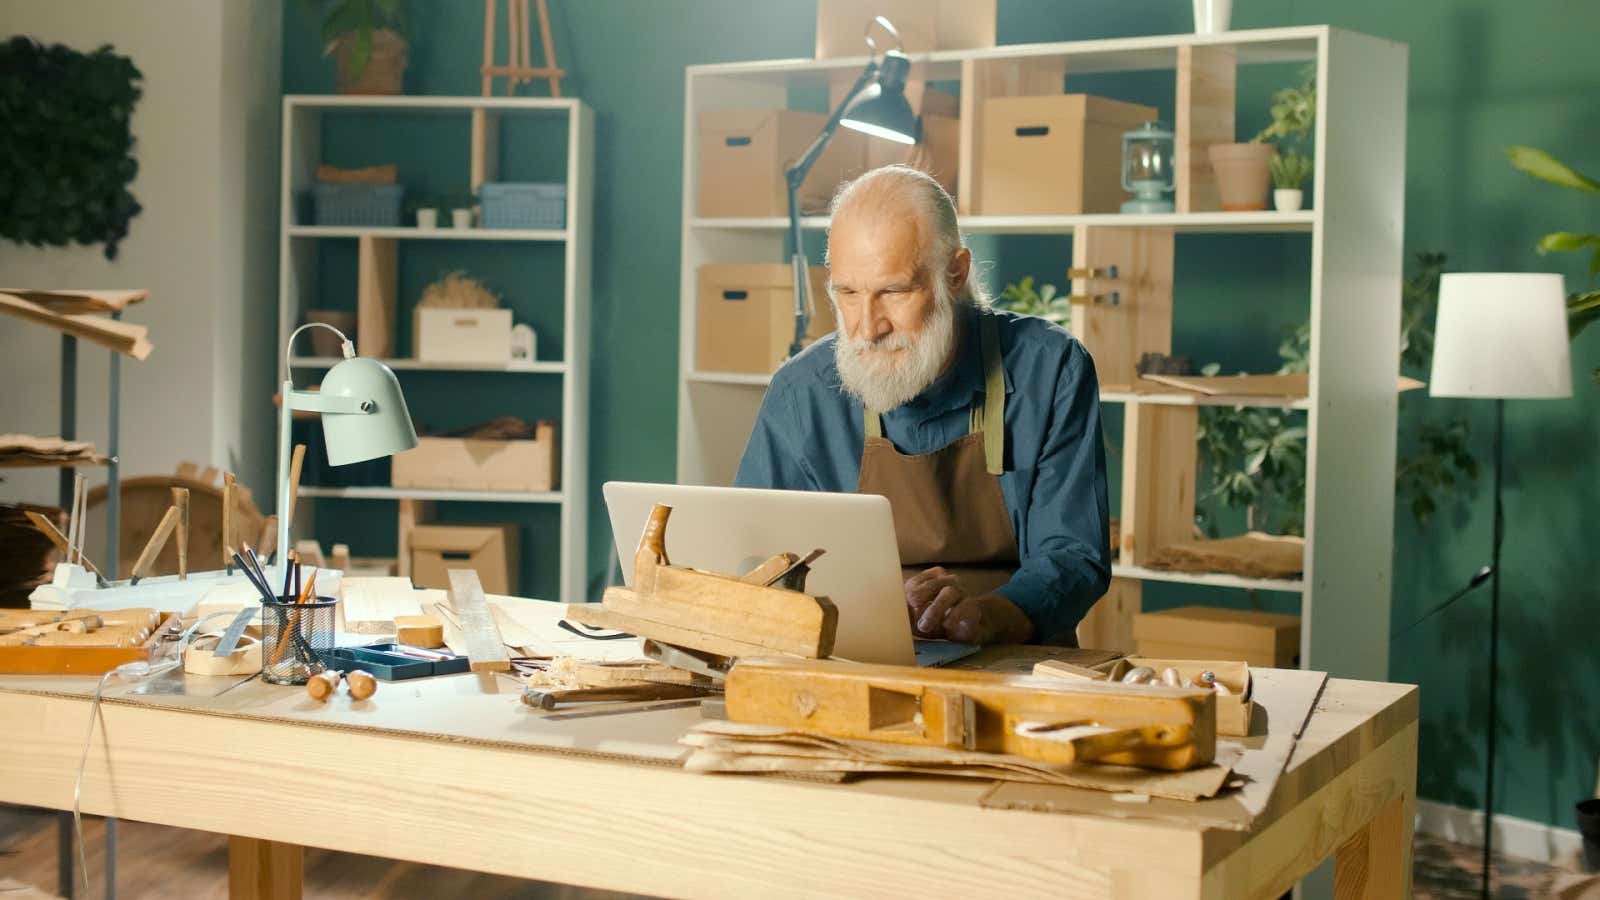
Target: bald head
x: 899, y: 203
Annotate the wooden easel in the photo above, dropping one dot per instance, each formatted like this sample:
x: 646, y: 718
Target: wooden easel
x: 520, y: 69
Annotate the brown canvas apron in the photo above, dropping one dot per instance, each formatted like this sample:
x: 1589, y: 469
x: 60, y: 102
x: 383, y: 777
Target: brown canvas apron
x: 948, y: 509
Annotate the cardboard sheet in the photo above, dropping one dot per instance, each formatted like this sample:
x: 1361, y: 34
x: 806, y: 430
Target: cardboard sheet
x: 1284, y: 700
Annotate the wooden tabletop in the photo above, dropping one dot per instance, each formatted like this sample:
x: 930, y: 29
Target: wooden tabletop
x: 409, y: 775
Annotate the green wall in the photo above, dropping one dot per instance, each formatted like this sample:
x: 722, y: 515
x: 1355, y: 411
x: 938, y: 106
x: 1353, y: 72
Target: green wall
x: 1484, y: 74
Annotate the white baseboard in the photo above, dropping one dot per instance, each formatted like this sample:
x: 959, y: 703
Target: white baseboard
x: 1512, y: 836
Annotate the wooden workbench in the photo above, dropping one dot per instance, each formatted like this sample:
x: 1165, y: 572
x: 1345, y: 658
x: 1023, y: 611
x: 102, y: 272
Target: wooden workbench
x: 540, y: 799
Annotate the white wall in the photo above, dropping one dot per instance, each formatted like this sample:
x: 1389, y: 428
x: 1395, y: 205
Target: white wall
x: 206, y: 132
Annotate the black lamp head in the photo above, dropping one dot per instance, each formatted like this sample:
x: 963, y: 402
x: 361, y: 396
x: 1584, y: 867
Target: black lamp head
x: 881, y: 109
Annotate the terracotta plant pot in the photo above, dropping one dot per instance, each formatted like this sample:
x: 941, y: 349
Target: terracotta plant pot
x: 386, y: 68
x: 1243, y: 175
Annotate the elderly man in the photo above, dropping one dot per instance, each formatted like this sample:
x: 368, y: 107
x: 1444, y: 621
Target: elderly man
x: 981, y: 427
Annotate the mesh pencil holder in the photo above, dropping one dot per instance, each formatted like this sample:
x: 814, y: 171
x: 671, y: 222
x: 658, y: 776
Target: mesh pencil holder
x: 295, y: 639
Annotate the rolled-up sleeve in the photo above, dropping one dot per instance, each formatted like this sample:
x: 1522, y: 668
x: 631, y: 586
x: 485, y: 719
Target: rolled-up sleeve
x: 772, y: 458
x: 1066, y: 551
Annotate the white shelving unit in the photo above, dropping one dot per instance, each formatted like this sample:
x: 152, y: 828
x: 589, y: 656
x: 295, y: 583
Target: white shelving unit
x: 302, y: 151
x: 1355, y: 233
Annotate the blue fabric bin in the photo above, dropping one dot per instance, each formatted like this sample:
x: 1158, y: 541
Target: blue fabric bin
x: 532, y: 205
x: 369, y: 205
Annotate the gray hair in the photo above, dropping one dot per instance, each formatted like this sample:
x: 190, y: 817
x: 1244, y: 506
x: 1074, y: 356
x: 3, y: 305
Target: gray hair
x: 938, y: 209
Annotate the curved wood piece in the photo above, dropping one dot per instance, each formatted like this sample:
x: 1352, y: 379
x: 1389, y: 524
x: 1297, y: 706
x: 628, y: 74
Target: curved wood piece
x: 652, y: 552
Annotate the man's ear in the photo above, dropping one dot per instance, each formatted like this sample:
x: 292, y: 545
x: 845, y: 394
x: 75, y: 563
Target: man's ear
x: 959, y: 270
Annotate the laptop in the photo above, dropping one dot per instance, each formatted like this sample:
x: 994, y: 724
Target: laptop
x: 732, y: 530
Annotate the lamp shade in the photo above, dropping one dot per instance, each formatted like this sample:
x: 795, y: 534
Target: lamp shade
x: 1501, y: 335
x: 881, y: 109
x: 383, y: 428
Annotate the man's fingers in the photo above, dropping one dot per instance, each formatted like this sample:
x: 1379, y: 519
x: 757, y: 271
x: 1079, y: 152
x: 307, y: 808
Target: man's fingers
x: 923, y: 576
x: 931, y: 622
x: 965, y: 623
x: 922, y: 594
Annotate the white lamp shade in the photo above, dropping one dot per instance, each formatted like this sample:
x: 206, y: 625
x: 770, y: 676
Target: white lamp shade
x: 1501, y: 335
x: 383, y: 430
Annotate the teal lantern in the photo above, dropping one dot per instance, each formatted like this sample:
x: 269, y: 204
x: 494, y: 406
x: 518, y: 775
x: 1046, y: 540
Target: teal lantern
x: 1147, y: 168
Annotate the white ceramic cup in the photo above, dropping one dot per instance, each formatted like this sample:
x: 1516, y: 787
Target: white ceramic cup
x: 1211, y: 16
x: 427, y: 218
x: 461, y: 218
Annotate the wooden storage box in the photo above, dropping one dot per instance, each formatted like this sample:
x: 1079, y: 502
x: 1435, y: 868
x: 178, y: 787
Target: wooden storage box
x: 1233, y: 709
x: 1059, y: 154
x: 476, y: 464
x: 923, y: 25
x: 744, y: 321
x: 743, y: 153
x: 462, y: 335
x: 85, y: 660
x: 489, y: 550
x: 1202, y: 632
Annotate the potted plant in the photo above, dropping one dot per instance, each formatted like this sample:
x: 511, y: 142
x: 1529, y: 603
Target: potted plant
x: 460, y: 207
x: 426, y: 209
x: 1244, y: 170
x: 1289, y: 170
x: 366, y: 39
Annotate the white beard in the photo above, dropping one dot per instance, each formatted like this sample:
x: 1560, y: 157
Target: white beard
x: 883, y: 384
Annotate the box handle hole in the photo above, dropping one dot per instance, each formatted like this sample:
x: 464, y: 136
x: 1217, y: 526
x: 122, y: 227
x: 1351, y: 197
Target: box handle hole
x: 1032, y: 130
x: 735, y: 295
x: 737, y: 141
x: 455, y: 554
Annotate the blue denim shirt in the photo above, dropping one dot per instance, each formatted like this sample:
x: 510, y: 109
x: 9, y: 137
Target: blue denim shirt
x: 809, y: 434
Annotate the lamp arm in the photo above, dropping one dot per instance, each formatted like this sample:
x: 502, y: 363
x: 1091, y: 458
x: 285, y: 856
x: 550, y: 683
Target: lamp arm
x: 317, y: 401
x: 793, y: 177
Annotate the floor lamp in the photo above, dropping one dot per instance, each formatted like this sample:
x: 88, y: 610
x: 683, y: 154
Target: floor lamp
x: 1499, y: 336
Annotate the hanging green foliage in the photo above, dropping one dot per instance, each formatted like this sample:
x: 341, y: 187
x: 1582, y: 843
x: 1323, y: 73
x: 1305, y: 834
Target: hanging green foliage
x: 66, y: 148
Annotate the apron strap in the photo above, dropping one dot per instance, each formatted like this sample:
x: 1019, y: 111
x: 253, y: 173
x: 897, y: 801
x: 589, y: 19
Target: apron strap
x: 989, y: 418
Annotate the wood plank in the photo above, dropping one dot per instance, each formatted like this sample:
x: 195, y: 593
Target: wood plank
x: 122, y: 337
x: 774, y: 618
x: 1109, y: 624
x: 80, y: 302
x: 1141, y: 322
x: 596, y: 616
x: 1159, y: 461
x: 1374, y: 864
x: 486, y: 650
x: 376, y: 262
x: 264, y: 870
x: 1205, y: 116
x: 485, y: 148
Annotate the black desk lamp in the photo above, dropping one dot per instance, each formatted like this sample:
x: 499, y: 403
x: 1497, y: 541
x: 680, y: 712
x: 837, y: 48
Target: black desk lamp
x: 875, y: 105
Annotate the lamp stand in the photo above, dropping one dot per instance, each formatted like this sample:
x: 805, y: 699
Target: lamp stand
x: 793, y: 177
x: 285, y: 421
x: 1494, y: 643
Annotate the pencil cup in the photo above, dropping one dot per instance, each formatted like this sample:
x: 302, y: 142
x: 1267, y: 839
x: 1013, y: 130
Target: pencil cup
x: 295, y: 638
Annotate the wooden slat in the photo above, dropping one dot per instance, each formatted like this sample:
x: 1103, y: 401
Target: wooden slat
x: 1158, y: 478
x: 121, y: 337
x: 79, y: 302
x: 486, y: 650
x: 375, y: 295
x: 1205, y: 116
x: 596, y: 616
x: 1109, y: 624
x: 1116, y: 336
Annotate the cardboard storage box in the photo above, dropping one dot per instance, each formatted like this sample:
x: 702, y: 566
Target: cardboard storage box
x: 923, y: 25
x: 489, y: 550
x: 476, y: 464
x: 745, y: 316
x: 1201, y: 632
x: 1059, y: 154
x: 743, y: 153
x: 462, y: 335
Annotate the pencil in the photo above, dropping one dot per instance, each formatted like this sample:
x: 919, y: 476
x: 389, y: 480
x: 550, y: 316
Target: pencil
x: 290, y: 563
x: 311, y: 583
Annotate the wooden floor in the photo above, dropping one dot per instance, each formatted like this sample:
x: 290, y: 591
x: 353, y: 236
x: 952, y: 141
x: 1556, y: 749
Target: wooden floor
x: 154, y: 861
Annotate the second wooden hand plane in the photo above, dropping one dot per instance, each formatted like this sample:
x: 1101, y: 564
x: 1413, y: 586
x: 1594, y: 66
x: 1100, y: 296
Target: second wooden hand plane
x: 720, y: 615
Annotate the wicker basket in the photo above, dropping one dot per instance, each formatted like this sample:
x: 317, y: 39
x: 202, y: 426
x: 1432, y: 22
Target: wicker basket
x: 386, y: 67
x: 529, y: 205
x: 370, y: 205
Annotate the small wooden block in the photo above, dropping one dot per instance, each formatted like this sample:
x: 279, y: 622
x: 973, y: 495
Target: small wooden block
x: 419, y: 631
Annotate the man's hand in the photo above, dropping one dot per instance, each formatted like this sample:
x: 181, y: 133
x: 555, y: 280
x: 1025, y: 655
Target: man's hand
x: 939, y: 607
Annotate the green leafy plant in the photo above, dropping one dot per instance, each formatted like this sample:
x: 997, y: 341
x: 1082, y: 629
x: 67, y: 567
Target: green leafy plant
x: 1583, y: 307
x: 1290, y: 170
x: 1254, y: 459
x: 357, y: 19
x: 66, y: 152
x: 1042, y: 301
x: 1293, y: 110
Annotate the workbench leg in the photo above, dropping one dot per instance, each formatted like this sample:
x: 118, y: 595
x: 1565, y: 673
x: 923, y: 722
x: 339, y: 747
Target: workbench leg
x: 264, y: 870
x: 1376, y: 862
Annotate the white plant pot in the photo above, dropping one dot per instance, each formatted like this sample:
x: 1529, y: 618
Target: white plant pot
x: 427, y: 218
x: 1211, y: 16
x: 461, y: 218
x: 1287, y: 199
